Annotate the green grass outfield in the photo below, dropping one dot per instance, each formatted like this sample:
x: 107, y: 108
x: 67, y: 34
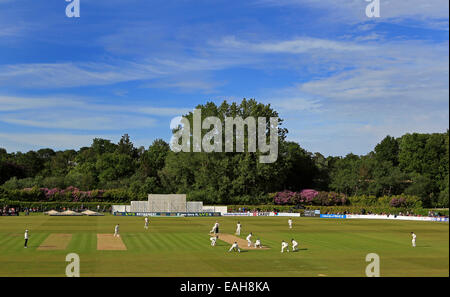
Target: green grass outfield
x: 181, y: 247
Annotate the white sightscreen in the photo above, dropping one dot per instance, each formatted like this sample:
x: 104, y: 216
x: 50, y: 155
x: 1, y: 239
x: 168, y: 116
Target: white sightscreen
x: 167, y: 202
x: 194, y: 206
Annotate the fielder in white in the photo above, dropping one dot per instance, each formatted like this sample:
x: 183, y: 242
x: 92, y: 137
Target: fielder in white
x: 238, y: 228
x: 290, y: 223
x: 413, y: 239
x: 258, y: 243
x: 146, y: 223
x: 215, y: 228
x: 116, y: 231
x: 234, y: 247
x: 213, y: 240
x: 249, y: 239
x: 284, y: 245
x: 294, y: 245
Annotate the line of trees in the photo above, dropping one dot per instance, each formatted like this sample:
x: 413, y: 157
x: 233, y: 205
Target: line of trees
x: 414, y: 164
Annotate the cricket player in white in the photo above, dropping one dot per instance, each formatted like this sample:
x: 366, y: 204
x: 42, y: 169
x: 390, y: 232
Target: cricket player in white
x: 238, y: 228
x: 146, y: 223
x: 234, y: 247
x: 249, y: 239
x: 284, y: 245
x: 26, y: 239
x: 294, y: 245
x: 213, y: 240
x: 258, y: 243
x: 215, y: 228
x: 116, y: 231
x: 290, y: 223
x: 413, y: 239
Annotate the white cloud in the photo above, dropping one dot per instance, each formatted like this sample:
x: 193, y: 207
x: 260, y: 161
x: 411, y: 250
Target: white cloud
x: 9, y: 31
x: 78, y: 120
x: 63, y: 75
x: 72, y: 113
x: 391, y: 88
x: 193, y: 82
x: 14, y: 103
x: 394, y: 71
x: 293, y: 46
x: 431, y: 13
x: 59, y: 75
x: 57, y: 141
x: 296, y: 104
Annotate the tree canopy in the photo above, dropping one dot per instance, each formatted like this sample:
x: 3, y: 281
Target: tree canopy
x: 413, y: 164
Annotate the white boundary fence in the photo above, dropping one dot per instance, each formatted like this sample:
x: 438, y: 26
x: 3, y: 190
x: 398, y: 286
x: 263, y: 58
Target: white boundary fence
x: 212, y: 208
x: 262, y: 214
x: 120, y: 208
x: 391, y: 217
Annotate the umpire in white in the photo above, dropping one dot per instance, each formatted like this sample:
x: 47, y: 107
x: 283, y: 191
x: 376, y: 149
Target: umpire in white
x: 26, y: 239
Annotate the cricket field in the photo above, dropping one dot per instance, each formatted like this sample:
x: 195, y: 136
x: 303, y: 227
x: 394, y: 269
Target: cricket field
x: 181, y: 247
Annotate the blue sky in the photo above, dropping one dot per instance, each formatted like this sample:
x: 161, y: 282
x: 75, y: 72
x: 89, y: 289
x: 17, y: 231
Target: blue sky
x: 342, y: 81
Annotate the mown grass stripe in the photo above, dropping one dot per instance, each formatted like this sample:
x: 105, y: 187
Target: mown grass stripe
x: 201, y: 241
x: 144, y: 239
x: 150, y: 239
x: 4, y: 238
x: 17, y: 242
x: 12, y: 243
x: 184, y: 241
x: 133, y: 242
x: 155, y: 242
x: 194, y: 241
x: 170, y: 242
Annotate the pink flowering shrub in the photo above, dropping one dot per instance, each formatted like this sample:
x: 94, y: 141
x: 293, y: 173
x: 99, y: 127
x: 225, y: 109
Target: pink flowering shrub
x: 285, y: 197
x: 397, y: 202
x: 310, y: 197
x: 70, y: 194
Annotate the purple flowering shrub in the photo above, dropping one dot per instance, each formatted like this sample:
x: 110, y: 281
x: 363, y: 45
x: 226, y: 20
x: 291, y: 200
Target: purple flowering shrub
x: 307, y: 196
x: 398, y: 202
x: 310, y: 197
x: 70, y: 194
x: 285, y: 197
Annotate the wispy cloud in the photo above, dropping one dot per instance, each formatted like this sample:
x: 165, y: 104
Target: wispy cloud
x: 71, y: 113
x: 14, y: 103
x: 335, y: 75
x: 293, y: 46
x: 391, y: 88
x: 57, y: 75
x: 57, y: 141
x: 63, y: 75
x: 432, y: 13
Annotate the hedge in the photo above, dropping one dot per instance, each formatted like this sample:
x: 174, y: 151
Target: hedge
x: 263, y: 207
x: 336, y: 209
x: 43, y: 206
x: 70, y: 194
x: 322, y: 198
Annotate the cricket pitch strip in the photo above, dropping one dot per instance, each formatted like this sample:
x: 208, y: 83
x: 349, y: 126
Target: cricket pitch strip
x: 107, y: 242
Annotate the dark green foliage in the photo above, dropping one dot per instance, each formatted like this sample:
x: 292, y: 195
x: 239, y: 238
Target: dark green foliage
x: 414, y: 164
